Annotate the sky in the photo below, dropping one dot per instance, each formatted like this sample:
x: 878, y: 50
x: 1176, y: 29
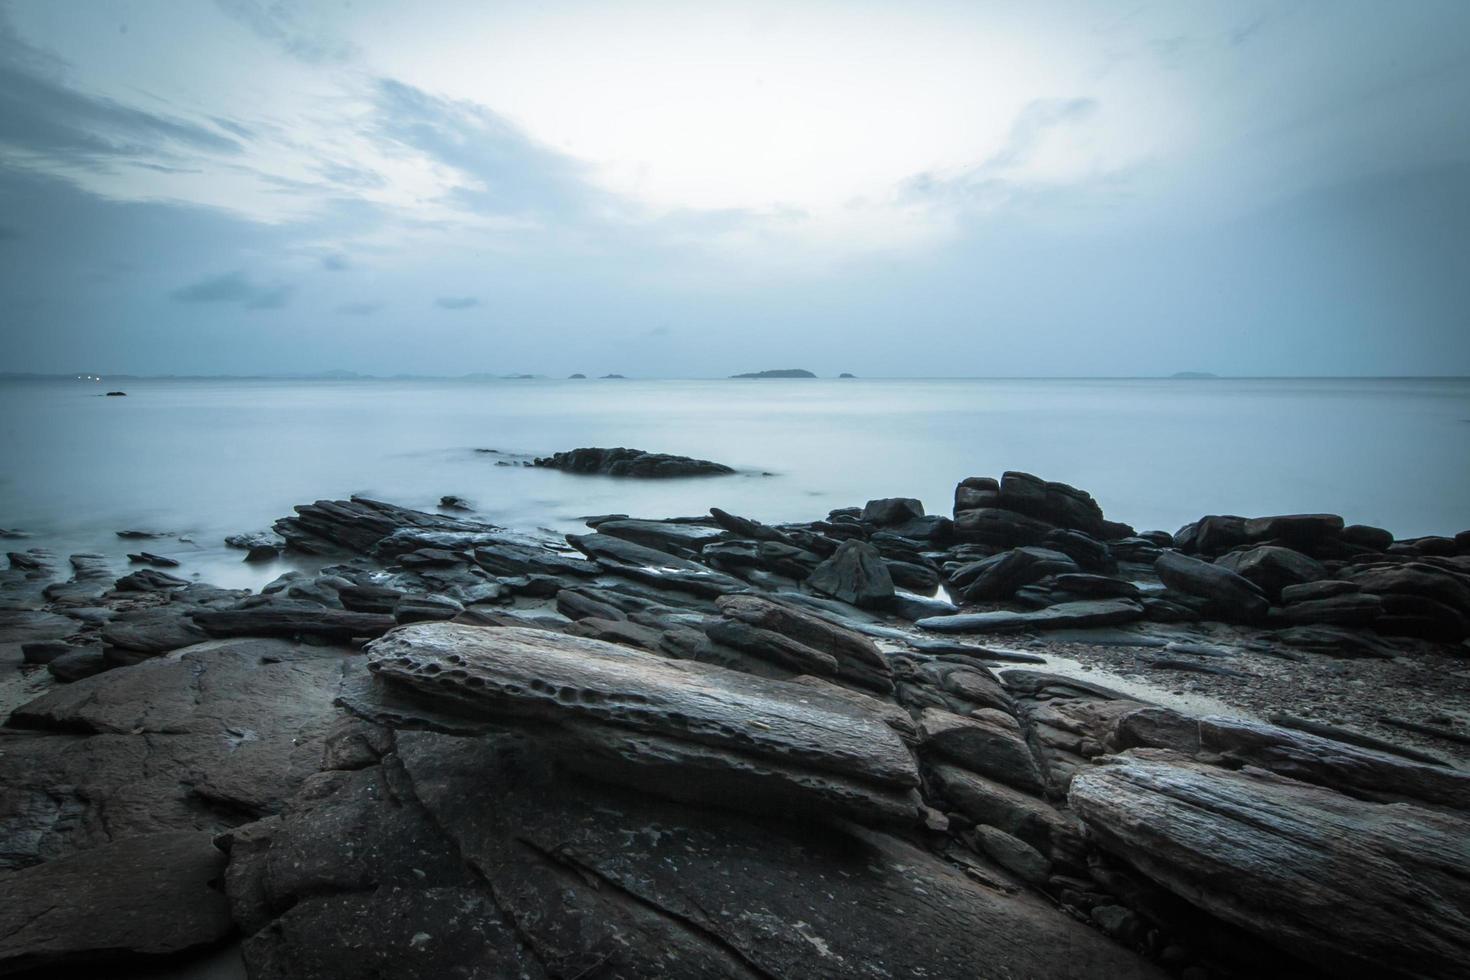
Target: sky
x: 664, y: 189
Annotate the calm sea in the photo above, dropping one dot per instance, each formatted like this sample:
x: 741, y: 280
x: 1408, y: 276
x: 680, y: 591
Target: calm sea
x: 208, y: 458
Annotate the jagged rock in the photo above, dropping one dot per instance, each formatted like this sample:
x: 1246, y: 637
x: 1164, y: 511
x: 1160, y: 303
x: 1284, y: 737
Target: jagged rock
x: 1018, y: 814
x: 1000, y: 528
x: 668, y: 726
x: 1415, y: 578
x: 892, y: 510
x: 1000, y: 576
x: 631, y: 463
x: 1301, y: 530
x: 617, y: 631
x: 369, y: 598
x: 118, y: 905
x: 1234, y: 596
x: 506, y: 554
x: 150, y: 580
x: 1352, y: 769
x: 747, y: 528
x: 1014, y: 854
x: 1273, y: 568
x: 1101, y: 612
x: 1056, y: 503
x: 281, y: 619
x: 20, y: 626
x: 980, y: 745
x: 1324, y: 589
x: 856, y: 658
x: 1351, y: 886
x: 655, y: 567
x: 148, y: 558
x: 1097, y: 586
x: 855, y: 574
x: 674, y: 537
x: 426, y: 608
x: 153, y: 631
x: 359, y: 524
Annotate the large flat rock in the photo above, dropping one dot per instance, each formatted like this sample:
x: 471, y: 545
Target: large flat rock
x: 1065, y: 615
x: 678, y: 727
x: 1361, y: 888
x: 125, y: 903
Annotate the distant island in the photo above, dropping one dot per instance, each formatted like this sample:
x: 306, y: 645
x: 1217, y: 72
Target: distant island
x: 1193, y: 375
x: 781, y: 373
x: 844, y: 374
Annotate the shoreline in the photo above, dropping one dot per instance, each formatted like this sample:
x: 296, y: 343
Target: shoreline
x: 991, y: 748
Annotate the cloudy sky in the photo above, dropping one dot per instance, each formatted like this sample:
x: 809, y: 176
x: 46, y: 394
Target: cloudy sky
x: 676, y: 189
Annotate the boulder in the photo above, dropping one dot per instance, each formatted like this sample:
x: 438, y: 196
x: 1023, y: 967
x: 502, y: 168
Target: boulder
x: 1273, y: 568
x: 1000, y: 528
x: 855, y: 574
x: 1056, y: 503
x: 892, y: 510
x: 673, y: 727
x: 1344, y: 609
x: 981, y: 745
x: 1352, y: 887
x: 293, y: 619
x: 1002, y: 575
x: 674, y: 537
x: 1232, y: 595
x: 655, y: 567
x: 856, y: 657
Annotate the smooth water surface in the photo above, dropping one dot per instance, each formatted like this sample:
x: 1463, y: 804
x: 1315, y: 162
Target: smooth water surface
x: 208, y: 458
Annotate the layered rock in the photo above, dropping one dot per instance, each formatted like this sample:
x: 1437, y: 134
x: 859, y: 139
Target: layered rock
x: 636, y: 463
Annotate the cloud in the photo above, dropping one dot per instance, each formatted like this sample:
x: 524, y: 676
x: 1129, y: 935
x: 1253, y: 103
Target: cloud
x: 335, y: 262
x: 44, y: 118
x: 359, y: 308
x: 235, y: 287
x: 281, y: 23
x: 456, y: 302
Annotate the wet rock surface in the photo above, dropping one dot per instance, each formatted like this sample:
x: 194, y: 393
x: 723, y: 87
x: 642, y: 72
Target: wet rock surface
x: 712, y: 746
x: 635, y: 463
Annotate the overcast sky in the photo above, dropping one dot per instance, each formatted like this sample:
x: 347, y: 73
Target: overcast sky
x: 693, y: 189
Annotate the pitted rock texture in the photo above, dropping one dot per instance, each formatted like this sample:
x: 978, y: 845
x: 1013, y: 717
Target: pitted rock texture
x: 755, y: 742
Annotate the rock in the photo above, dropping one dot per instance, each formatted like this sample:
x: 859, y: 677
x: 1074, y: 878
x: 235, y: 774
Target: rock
x: 856, y: 658
x: 1014, y: 854
x: 359, y: 525
x: 153, y: 631
x: 746, y: 528
x: 147, y: 558
x: 122, y: 904
x: 255, y: 539
x: 44, y: 651
x: 1336, y: 642
x: 855, y: 574
x: 1350, y: 886
x: 1097, y: 586
x: 1000, y: 576
x: 20, y: 626
x: 1101, y: 612
x: 1414, y: 578
x: 77, y: 664
x: 262, y: 553
x: 1301, y: 530
x: 1234, y: 596
x: 135, y: 535
x: 1323, y: 589
x: 1273, y: 568
x: 1356, y: 770
x: 910, y: 606
x: 771, y: 647
x: 777, y: 373
x: 634, y: 717
x: 892, y: 510
x: 1366, y: 536
x: 1018, y: 814
x: 1089, y: 553
x: 1056, y: 503
x: 452, y: 502
x: 982, y: 746
x: 1344, y: 609
x: 635, y: 463
x: 150, y: 580
x: 674, y: 537
x: 426, y: 608
x: 1000, y: 528
x: 117, y: 394
x: 915, y: 577
x: 655, y: 567
x: 296, y: 619
x: 218, y: 734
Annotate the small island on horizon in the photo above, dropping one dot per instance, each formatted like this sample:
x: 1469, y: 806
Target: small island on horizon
x: 777, y: 373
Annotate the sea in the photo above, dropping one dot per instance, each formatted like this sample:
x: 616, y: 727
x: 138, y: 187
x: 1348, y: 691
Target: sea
x: 198, y: 459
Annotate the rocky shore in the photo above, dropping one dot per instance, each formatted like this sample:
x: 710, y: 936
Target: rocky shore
x: 1018, y: 739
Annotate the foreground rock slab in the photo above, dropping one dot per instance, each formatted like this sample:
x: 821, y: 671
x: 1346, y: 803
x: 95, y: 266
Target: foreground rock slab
x: 1366, y: 889
x: 1064, y: 615
x: 141, y: 899
x: 681, y: 728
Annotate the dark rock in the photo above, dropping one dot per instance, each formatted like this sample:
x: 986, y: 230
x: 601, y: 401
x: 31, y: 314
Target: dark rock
x: 911, y: 606
x: 1300, y: 530
x: 452, y: 502
x: 135, y: 535
x: 980, y: 745
x: 21, y: 626
x: 360, y: 524
x: 855, y: 574
x: 262, y: 553
x: 1322, y: 589
x: 287, y: 620
x: 855, y: 657
x: 1367, y: 536
x: 1234, y: 596
x: 1097, y: 586
x: 1089, y: 553
x: 674, y: 537
x: 1019, y: 814
x: 1056, y: 503
x: 1335, y: 642
x: 1414, y: 578
x: 1273, y: 568
x: 1000, y: 528
x: 1344, y: 609
x: 746, y: 528
x: 1383, y: 884
x: 633, y: 717
x: 121, y: 904
x: 45, y: 651
x: 1102, y: 612
x: 150, y: 580
x: 655, y: 567
x: 255, y: 539
x: 425, y: 608
x: 915, y: 577
x: 1014, y: 854
x: 892, y: 510
x: 117, y: 394
x: 1002, y: 575
x: 153, y: 631
x: 157, y: 561
x: 631, y: 463
x: 79, y: 663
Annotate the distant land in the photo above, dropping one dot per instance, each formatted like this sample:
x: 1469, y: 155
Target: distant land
x: 778, y: 373
x: 1193, y: 375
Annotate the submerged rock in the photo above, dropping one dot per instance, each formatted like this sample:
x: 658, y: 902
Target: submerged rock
x: 631, y: 463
